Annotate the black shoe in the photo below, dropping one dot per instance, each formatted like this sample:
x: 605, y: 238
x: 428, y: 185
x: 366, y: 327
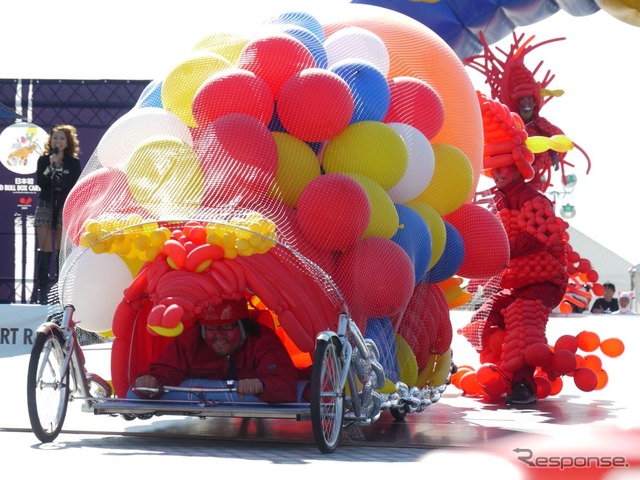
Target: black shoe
x: 522, y: 394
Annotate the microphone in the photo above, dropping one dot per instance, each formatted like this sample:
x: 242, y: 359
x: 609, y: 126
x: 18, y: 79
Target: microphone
x: 55, y: 150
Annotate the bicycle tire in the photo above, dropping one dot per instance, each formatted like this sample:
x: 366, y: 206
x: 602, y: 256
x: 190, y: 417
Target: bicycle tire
x: 47, y: 385
x: 327, y: 396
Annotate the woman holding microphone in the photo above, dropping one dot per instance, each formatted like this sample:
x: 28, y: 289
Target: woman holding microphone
x: 57, y: 172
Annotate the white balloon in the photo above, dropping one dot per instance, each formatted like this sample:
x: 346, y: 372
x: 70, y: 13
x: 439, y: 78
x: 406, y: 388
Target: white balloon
x: 357, y: 43
x: 420, y: 165
x: 94, y: 284
x: 130, y: 130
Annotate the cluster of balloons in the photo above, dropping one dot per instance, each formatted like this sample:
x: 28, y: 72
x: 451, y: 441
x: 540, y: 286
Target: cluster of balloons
x: 563, y: 359
x: 360, y: 156
x: 582, y: 284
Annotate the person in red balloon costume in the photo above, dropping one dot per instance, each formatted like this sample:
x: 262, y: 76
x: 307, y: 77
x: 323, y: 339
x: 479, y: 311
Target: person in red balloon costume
x: 535, y: 279
x: 514, y: 85
x: 226, y: 344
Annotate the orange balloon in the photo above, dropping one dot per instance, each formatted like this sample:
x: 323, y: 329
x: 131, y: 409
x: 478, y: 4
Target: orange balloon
x: 603, y: 379
x: 455, y: 378
x: 612, y: 347
x: 469, y: 384
x: 565, y: 307
x: 593, y: 362
x: 556, y: 386
x: 588, y: 341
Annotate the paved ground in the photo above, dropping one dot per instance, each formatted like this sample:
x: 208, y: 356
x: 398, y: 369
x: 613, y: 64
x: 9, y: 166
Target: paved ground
x: 457, y: 436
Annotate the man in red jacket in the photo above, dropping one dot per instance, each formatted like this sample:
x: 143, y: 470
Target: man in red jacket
x: 227, y: 345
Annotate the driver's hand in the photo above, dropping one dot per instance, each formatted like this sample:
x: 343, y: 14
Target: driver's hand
x: 249, y: 386
x: 147, y: 381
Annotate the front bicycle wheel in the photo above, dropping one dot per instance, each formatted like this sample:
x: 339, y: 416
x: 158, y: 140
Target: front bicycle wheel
x: 47, y: 385
x: 327, y: 396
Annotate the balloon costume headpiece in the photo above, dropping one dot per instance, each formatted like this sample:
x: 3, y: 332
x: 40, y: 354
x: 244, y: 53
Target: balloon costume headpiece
x: 504, y: 138
x: 509, y: 79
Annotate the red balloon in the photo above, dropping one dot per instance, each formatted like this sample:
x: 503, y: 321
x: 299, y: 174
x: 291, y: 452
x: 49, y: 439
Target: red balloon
x: 537, y: 354
x: 239, y: 158
x: 556, y: 385
x: 275, y: 58
x: 597, y: 289
x: 567, y: 342
x: 564, y: 361
x: 585, y: 379
x: 543, y: 386
x: 315, y: 105
x: 104, y: 190
x: 493, y: 383
x: 376, y: 276
x: 333, y: 211
x: 233, y: 91
x: 426, y: 318
x: 415, y: 103
x: 592, y: 276
x: 496, y: 339
x: 486, y: 246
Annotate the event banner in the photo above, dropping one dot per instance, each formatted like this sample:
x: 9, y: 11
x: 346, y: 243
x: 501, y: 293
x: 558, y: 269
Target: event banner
x: 20, y: 146
x: 18, y: 325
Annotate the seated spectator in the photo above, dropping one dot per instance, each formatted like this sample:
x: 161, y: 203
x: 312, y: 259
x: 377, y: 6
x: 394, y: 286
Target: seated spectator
x: 225, y: 344
x: 606, y: 303
x: 624, y: 302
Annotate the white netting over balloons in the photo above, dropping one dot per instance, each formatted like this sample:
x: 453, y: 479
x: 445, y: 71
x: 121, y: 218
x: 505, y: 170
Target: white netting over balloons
x: 317, y: 165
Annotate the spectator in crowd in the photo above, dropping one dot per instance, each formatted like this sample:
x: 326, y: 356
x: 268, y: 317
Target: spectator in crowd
x: 607, y: 303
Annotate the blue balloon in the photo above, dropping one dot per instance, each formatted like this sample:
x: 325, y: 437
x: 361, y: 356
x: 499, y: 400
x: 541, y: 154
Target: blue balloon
x: 381, y: 331
x: 275, y: 125
x: 369, y: 88
x: 415, y: 239
x: 302, y: 19
x: 458, y: 22
x: 309, y: 40
x: 151, y: 96
x: 451, y: 258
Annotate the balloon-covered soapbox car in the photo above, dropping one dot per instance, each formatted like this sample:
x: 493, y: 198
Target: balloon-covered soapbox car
x: 307, y: 167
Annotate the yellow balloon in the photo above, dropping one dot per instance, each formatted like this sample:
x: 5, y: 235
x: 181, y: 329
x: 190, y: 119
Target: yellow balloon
x: 436, y: 227
x: 368, y: 148
x: 441, y: 370
x: 424, y: 375
x: 407, y: 363
x: 384, y: 220
x: 227, y: 45
x: 164, y: 176
x: 451, y: 182
x: 389, y: 387
x: 180, y: 86
x: 627, y: 11
x: 297, y: 166
x: 133, y: 264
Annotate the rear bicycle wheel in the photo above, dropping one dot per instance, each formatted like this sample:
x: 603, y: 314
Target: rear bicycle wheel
x: 47, y: 385
x: 327, y: 396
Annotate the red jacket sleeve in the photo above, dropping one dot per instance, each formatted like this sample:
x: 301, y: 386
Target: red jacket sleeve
x: 267, y: 359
